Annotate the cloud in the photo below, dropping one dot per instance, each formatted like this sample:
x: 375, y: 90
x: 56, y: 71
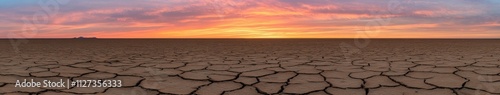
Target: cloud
x: 257, y: 18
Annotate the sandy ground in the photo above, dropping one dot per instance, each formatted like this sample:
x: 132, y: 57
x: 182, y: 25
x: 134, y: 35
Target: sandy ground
x: 257, y: 66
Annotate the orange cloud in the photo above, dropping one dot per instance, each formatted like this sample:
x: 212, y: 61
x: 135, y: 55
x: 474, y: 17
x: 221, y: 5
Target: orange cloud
x: 263, y: 19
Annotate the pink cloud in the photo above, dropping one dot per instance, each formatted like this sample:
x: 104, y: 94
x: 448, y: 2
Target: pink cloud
x: 260, y: 18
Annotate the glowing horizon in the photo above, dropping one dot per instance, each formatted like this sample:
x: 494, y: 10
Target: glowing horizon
x: 250, y: 19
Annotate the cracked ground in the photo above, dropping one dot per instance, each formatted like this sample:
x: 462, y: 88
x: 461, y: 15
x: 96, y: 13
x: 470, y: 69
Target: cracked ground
x: 257, y: 66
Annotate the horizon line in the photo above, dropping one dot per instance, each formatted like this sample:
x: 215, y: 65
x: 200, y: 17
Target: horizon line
x: 248, y: 38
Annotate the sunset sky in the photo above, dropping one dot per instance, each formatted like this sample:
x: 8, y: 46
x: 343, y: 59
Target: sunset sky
x: 250, y: 18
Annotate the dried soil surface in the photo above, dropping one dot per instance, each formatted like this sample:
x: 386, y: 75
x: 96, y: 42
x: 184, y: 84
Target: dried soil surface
x: 256, y: 66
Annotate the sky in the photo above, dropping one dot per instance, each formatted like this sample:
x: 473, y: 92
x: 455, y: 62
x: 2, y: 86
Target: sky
x: 250, y: 18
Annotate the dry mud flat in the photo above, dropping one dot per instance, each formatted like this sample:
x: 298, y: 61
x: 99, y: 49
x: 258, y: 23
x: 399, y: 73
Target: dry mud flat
x: 257, y: 66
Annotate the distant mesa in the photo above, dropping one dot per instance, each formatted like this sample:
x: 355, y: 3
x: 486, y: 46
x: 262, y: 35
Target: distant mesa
x: 82, y: 37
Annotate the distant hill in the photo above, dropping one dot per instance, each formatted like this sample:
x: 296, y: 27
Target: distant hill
x: 82, y: 37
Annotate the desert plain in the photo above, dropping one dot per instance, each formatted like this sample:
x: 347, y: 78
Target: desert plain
x: 255, y: 66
